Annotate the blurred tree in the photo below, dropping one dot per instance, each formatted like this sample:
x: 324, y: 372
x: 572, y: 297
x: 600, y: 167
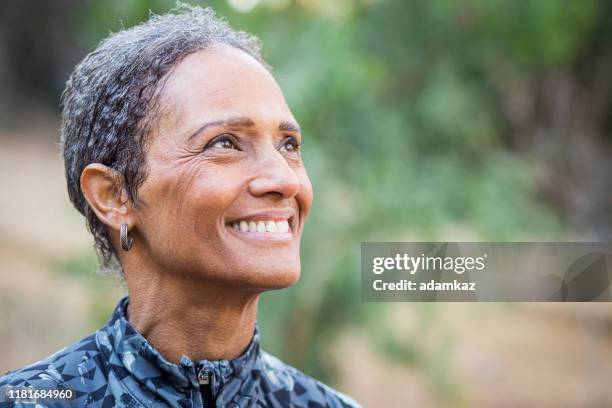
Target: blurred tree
x: 37, y: 49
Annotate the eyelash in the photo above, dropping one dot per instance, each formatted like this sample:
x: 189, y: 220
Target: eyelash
x: 296, y: 146
x: 227, y: 137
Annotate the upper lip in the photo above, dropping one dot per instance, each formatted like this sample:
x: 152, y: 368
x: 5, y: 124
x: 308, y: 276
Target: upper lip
x: 276, y: 214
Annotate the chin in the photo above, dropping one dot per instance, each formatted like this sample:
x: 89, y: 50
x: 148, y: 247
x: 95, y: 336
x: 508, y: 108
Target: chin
x: 286, y: 279
x: 272, y: 278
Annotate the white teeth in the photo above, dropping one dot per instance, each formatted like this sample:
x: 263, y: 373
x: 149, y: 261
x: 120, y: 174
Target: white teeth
x: 269, y: 226
x: 261, y: 226
x: 282, y: 226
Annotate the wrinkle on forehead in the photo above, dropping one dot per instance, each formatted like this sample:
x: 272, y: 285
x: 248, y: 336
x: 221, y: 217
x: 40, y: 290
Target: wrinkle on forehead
x: 209, y: 67
x: 217, y: 83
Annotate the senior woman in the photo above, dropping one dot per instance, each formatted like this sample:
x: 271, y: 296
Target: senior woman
x: 184, y: 157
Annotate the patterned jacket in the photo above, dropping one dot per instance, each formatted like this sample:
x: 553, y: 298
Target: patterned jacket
x: 117, y: 367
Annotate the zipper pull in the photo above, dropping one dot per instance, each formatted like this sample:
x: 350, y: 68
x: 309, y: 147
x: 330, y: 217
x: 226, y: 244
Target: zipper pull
x: 206, y: 388
x: 204, y: 377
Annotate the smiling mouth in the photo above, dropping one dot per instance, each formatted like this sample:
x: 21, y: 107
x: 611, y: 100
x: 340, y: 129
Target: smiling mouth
x: 263, y: 229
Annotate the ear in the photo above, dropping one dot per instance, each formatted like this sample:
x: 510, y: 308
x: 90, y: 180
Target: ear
x: 102, y: 189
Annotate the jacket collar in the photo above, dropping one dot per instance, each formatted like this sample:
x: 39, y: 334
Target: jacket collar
x: 140, y: 366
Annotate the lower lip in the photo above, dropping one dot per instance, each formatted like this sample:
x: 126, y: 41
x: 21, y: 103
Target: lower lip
x: 262, y: 236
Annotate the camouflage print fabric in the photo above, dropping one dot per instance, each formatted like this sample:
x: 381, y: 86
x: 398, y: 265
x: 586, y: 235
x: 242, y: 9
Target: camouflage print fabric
x: 117, y: 367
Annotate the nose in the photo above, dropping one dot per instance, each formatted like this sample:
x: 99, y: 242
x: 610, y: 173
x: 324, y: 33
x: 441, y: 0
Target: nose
x: 273, y: 175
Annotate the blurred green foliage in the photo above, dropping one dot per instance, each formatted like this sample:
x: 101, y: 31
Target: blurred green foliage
x: 83, y: 268
x: 406, y: 138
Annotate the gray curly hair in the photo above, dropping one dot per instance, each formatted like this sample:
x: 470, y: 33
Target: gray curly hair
x: 112, y: 97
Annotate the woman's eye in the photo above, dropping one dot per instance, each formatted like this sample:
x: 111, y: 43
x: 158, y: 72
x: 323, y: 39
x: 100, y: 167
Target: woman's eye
x: 222, y: 142
x: 291, y: 144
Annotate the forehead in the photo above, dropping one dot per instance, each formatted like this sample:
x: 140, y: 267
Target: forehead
x: 221, y: 82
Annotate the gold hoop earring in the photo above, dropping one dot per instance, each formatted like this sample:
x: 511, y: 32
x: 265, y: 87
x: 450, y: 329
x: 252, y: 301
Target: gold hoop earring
x: 126, y: 240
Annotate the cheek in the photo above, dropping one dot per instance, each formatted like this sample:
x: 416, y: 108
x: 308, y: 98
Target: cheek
x: 206, y: 202
x: 190, y: 201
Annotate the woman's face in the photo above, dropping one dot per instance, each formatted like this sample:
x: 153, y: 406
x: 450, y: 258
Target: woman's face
x: 227, y: 193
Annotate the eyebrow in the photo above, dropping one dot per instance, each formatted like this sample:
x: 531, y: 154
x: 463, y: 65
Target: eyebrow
x: 287, y: 126
x: 243, y: 121
x: 235, y: 121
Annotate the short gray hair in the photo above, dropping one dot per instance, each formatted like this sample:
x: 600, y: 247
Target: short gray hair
x: 111, y: 99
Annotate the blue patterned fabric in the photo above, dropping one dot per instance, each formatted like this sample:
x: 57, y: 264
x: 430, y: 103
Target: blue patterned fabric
x: 117, y: 367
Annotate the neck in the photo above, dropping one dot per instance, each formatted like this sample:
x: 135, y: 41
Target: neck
x: 181, y: 316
